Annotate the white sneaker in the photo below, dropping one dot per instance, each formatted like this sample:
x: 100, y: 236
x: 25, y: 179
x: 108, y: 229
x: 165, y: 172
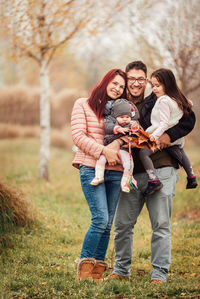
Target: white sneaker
x: 99, y: 175
x: 125, y: 189
x: 124, y: 181
x: 96, y: 181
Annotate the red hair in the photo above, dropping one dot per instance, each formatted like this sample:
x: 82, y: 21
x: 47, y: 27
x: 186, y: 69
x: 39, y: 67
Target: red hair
x: 98, y: 97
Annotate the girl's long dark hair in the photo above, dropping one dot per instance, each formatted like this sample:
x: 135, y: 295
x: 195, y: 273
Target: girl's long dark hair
x: 168, y: 80
x: 98, y: 97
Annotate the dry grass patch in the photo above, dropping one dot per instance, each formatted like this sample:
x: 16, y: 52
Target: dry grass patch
x: 60, y: 138
x: 14, y: 131
x: 20, y: 105
x: 62, y: 105
x: 192, y: 214
x: 14, y: 209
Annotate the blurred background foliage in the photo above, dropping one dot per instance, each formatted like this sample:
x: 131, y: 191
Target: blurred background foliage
x: 161, y: 33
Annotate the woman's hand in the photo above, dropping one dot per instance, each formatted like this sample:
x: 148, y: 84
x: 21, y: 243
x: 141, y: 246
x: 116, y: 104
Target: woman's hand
x: 111, y: 155
x: 115, y: 145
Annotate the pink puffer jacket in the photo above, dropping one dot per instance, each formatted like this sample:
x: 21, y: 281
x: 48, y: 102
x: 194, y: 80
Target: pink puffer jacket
x: 87, y: 135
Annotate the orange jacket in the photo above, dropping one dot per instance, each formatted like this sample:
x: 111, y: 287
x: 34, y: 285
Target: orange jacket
x: 87, y: 135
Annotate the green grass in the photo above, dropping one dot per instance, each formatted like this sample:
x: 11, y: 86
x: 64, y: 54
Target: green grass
x: 38, y: 261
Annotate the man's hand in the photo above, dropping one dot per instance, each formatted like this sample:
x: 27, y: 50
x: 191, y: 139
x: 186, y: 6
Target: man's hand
x: 164, y: 141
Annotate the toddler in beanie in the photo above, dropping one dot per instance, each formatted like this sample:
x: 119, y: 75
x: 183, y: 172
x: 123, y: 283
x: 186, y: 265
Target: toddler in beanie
x: 119, y: 116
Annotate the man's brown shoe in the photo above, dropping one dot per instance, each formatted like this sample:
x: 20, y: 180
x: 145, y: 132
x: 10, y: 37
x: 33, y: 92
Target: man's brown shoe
x: 155, y: 281
x: 116, y: 276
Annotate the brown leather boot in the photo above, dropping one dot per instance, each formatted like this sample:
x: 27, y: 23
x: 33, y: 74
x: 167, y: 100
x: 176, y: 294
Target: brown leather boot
x: 98, y: 270
x: 85, y: 267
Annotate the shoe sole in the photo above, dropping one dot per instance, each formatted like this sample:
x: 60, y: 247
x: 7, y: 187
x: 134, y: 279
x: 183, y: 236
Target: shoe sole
x: 96, y: 184
x: 156, y: 189
x: 125, y: 191
x: 192, y: 187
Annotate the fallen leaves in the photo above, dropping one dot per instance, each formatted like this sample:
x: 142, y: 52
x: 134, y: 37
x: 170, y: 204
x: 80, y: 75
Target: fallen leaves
x: 142, y: 139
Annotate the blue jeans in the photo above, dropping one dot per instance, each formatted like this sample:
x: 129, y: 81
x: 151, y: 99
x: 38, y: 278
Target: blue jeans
x: 159, y: 206
x: 102, y: 201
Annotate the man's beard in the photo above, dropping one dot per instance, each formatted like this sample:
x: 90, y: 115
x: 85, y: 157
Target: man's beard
x: 135, y: 98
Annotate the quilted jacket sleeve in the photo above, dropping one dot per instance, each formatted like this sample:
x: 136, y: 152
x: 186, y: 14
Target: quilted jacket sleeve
x: 84, y: 126
x: 110, y: 123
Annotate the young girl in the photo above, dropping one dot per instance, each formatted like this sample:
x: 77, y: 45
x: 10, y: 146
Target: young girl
x: 119, y: 115
x: 170, y: 106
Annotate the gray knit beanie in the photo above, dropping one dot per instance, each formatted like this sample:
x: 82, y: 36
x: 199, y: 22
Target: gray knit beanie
x: 121, y: 107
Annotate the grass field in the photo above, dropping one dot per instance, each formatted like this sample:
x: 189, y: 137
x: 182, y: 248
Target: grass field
x: 38, y: 261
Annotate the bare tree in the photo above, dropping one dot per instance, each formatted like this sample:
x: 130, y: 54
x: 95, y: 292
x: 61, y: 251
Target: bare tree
x: 180, y: 37
x: 38, y: 28
x: 120, y: 41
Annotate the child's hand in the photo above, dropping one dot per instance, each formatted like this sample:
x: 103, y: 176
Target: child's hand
x: 152, y: 138
x: 133, y: 122
x: 122, y: 130
x: 155, y: 140
x: 134, y: 126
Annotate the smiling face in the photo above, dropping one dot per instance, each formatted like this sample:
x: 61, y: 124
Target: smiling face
x: 136, y: 82
x: 115, y: 87
x: 158, y: 87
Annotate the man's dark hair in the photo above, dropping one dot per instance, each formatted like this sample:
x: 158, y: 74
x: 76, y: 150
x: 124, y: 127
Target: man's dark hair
x: 138, y: 65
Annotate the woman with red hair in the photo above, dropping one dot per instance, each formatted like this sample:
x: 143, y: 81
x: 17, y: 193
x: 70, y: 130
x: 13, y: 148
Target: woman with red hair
x: 88, y: 134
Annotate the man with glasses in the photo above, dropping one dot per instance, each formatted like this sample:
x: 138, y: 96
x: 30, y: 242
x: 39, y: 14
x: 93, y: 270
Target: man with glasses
x: 159, y: 204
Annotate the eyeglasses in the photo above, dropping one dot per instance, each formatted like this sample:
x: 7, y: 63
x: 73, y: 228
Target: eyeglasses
x: 140, y: 80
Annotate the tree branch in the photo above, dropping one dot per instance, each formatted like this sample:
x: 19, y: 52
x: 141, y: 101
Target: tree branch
x: 193, y: 88
x: 28, y: 53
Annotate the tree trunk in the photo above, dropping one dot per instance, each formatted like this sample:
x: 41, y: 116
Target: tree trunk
x: 44, y: 121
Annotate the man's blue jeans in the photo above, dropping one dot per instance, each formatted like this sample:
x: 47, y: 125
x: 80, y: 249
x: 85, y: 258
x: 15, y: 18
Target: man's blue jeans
x: 102, y: 201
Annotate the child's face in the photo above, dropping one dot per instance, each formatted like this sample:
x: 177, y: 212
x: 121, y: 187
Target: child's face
x: 123, y: 120
x: 158, y: 88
